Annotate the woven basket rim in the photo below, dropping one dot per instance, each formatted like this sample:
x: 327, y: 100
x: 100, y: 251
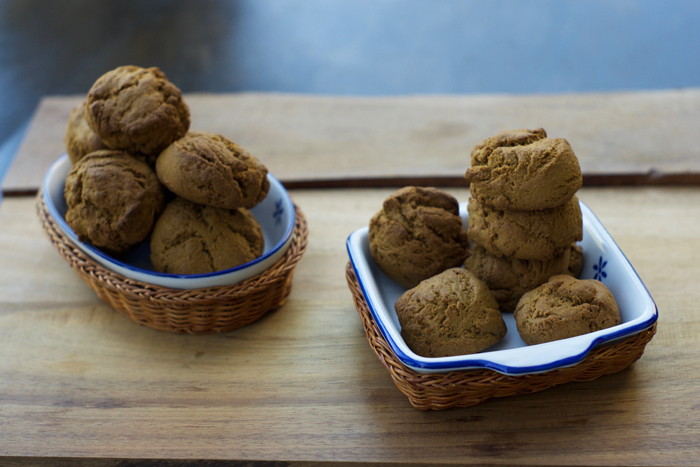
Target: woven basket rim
x: 73, y: 254
x: 464, y: 388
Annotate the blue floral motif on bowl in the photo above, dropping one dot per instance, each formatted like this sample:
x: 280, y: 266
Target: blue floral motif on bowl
x: 598, y: 268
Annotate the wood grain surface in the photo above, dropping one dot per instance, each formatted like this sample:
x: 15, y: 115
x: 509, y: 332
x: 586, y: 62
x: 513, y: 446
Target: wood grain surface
x: 636, y: 137
x: 83, y: 385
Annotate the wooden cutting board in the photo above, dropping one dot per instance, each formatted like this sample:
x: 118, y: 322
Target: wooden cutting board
x: 306, y: 140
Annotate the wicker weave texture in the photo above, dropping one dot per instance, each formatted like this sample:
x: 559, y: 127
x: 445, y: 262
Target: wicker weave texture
x: 196, y: 311
x: 437, y: 391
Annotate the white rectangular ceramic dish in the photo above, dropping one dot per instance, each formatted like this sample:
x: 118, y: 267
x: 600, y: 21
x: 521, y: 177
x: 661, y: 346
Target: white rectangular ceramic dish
x: 603, y: 260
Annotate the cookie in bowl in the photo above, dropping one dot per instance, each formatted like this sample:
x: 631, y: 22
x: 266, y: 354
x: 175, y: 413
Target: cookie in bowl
x: 190, y: 238
x: 112, y: 200
x: 80, y: 139
x: 137, y: 110
x: 208, y: 168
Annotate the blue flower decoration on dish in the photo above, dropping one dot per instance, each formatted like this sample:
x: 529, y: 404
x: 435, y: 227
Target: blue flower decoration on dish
x: 598, y: 268
x: 279, y: 210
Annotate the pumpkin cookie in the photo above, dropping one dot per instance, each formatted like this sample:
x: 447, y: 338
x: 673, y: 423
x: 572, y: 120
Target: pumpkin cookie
x: 210, y: 169
x: 190, y: 238
x: 452, y: 313
x: 417, y: 234
x: 565, y: 307
x: 575, y: 261
x: 523, y: 170
x: 113, y: 199
x: 80, y: 139
x: 525, y: 234
x: 136, y: 110
x: 509, y: 278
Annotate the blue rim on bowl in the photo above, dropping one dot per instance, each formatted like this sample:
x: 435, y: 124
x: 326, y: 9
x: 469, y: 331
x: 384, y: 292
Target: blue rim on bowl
x: 275, y: 214
x: 603, y: 260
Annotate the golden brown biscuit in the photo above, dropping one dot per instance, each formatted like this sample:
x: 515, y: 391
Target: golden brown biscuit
x: 136, y: 110
x: 525, y: 234
x: 113, y: 199
x: 575, y: 261
x: 190, y: 238
x: 509, y: 278
x: 523, y: 170
x: 210, y: 169
x: 452, y: 313
x: 80, y: 139
x: 565, y: 307
x: 418, y: 233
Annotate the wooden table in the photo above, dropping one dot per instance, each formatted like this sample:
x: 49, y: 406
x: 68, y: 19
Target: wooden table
x: 318, y: 141
x: 82, y: 385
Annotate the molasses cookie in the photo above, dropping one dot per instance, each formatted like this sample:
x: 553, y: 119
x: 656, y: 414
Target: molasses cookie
x: 113, y: 199
x: 575, y: 260
x: 523, y: 170
x: 210, y: 169
x: 509, y: 278
x: 525, y: 234
x: 80, y: 139
x: 452, y: 313
x: 137, y: 110
x: 417, y: 234
x: 565, y: 307
x: 190, y: 238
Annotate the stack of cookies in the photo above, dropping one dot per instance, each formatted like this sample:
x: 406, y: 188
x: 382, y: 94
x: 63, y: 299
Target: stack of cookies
x: 524, y: 216
x: 131, y: 150
x: 519, y: 253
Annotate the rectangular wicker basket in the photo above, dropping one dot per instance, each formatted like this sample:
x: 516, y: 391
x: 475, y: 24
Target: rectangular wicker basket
x: 464, y: 388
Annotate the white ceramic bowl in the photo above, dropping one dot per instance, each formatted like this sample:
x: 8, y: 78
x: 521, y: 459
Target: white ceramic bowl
x: 603, y: 260
x: 275, y: 215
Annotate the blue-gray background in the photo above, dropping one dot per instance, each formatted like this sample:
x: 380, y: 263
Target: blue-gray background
x: 350, y: 47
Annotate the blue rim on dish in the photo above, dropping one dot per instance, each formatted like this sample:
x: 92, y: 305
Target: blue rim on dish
x: 281, y: 204
x: 602, y: 258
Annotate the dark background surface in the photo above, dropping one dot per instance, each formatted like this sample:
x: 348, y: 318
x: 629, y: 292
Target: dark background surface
x: 359, y: 47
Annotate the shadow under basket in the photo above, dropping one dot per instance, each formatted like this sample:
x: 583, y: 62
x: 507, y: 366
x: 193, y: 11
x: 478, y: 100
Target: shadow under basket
x: 194, y: 311
x: 464, y: 388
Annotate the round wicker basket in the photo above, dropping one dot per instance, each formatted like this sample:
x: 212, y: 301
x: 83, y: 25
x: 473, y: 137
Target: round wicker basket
x: 195, y: 311
x: 464, y: 388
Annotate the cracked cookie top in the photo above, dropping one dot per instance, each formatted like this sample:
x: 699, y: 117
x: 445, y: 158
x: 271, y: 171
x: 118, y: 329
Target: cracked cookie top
x: 417, y: 234
x: 113, y: 199
x: 523, y: 170
x: 452, y: 313
x: 190, y: 238
x: 136, y: 110
x: 210, y: 169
